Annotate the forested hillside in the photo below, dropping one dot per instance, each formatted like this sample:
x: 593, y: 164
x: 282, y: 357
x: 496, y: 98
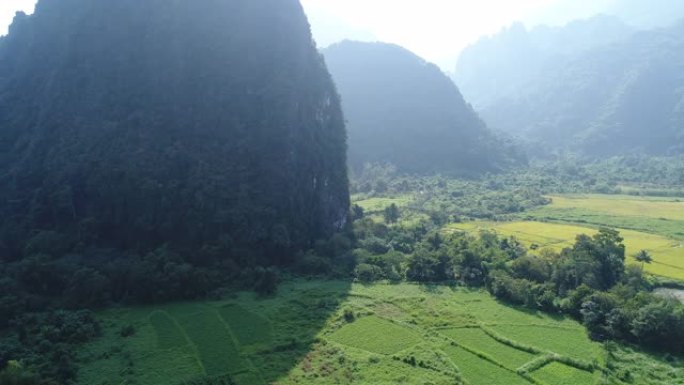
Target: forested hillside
x: 619, y: 95
x: 405, y: 111
x: 140, y: 140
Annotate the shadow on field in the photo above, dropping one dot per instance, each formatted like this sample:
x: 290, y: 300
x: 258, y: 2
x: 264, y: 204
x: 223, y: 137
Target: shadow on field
x: 297, y: 314
x: 243, y: 339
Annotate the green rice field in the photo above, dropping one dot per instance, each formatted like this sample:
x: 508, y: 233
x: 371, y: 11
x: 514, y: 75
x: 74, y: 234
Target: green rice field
x: 396, y: 334
x: 655, y: 215
x: 556, y: 226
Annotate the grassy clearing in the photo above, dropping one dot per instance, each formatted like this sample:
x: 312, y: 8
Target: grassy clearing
x: 573, y: 343
x: 632, y: 367
x: 558, y: 374
x: 480, y: 372
x: 376, y: 335
x: 475, y: 339
x: 311, y: 343
x: 376, y: 205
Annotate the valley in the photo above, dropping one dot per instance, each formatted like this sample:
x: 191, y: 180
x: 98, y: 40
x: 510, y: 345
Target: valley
x: 336, y: 332
x: 200, y: 193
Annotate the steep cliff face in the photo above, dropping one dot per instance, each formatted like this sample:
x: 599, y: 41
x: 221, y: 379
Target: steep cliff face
x: 405, y: 111
x: 132, y: 124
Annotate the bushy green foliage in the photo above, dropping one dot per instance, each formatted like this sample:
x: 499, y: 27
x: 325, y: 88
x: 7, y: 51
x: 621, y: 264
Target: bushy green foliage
x: 42, y: 346
x: 14, y: 374
x: 450, y: 200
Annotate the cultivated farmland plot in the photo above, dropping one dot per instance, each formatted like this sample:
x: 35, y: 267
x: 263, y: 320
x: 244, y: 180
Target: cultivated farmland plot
x: 399, y: 334
x: 317, y: 332
x: 652, y: 224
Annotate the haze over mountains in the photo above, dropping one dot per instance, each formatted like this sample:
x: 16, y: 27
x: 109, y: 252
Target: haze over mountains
x: 559, y: 80
x: 439, y: 30
x: 595, y: 86
x: 501, y: 66
x: 405, y: 111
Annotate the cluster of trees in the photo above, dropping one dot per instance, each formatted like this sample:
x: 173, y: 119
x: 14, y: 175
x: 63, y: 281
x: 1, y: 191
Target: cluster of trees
x: 420, y: 251
x: 493, y: 195
x: 451, y: 200
x: 45, y: 343
x: 591, y: 282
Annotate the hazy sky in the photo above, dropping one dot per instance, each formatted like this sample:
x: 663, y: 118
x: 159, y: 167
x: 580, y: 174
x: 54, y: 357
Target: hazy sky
x: 9, y: 7
x: 438, y: 29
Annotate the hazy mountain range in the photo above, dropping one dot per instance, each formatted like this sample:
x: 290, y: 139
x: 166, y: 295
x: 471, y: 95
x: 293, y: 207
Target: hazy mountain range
x: 595, y: 86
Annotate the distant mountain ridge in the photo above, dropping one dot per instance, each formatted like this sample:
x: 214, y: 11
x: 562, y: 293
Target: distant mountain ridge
x: 405, y: 111
x: 499, y: 66
x: 619, y: 97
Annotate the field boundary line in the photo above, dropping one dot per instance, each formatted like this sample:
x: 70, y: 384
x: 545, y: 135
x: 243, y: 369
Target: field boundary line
x: 440, y: 328
x: 547, y: 326
x: 512, y: 343
x: 191, y: 343
x: 415, y: 328
x: 560, y: 358
x: 597, y: 225
x: 485, y: 357
x: 238, y: 346
x: 330, y: 341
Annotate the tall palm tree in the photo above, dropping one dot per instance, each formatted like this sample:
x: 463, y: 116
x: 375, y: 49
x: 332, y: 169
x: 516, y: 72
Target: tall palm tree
x: 644, y: 257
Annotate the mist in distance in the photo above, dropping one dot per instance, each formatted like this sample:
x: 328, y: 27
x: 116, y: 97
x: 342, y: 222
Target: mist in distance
x: 439, y: 30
